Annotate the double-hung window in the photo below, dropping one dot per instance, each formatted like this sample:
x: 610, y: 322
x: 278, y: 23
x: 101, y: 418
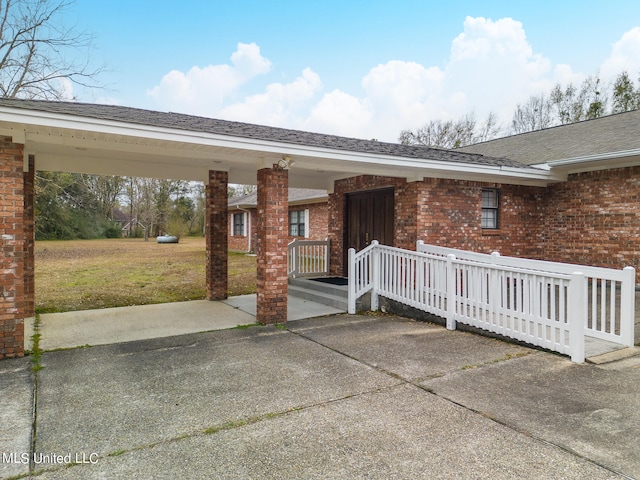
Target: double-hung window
x: 297, y: 223
x: 238, y: 225
x: 490, y: 198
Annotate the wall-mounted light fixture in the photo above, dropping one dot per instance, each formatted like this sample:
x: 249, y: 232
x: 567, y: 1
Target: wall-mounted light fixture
x: 286, y: 163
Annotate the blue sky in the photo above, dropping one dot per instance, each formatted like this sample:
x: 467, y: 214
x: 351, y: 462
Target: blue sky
x: 366, y: 69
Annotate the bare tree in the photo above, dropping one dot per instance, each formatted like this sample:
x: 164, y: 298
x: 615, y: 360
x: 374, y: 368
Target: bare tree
x: 452, y: 134
x: 489, y: 129
x: 105, y: 189
x: 565, y: 104
x: 533, y: 115
x: 38, y: 54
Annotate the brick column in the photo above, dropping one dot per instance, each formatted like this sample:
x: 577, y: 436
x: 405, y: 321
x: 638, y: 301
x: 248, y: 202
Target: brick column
x: 12, y: 248
x: 216, y: 233
x: 336, y: 233
x: 272, y: 231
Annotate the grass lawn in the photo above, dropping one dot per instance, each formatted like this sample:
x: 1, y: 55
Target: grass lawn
x: 89, y: 274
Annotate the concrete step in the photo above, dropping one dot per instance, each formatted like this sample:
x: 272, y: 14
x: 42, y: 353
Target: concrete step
x: 324, y: 298
x: 615, y: 356
x: 337, y: 290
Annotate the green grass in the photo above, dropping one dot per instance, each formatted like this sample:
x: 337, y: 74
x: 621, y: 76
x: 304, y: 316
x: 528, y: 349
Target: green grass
x: 89, y: 274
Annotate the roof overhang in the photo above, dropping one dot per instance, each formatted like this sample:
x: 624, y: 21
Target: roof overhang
x: 602, y: 161
x: 72, y: 143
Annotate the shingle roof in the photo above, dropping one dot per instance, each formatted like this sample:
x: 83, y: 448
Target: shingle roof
x: 250, y: 131
x: 613, y: 133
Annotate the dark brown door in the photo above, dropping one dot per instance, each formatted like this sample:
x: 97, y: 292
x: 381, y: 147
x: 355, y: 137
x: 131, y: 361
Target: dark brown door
x: 370, y: 217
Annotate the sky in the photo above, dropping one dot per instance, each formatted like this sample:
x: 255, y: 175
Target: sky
x: 365, y: 69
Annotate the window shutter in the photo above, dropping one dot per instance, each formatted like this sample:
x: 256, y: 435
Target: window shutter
x: 307, y: 226
x: 244, y: 224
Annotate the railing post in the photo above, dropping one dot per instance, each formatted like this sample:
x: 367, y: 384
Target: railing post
x: 327, y: 249
x: 292, y: 251
x: 627, y: 306
x: 576, y: 316
x: 375, y: 275
x: 351, y: 307
x: 451, y: 292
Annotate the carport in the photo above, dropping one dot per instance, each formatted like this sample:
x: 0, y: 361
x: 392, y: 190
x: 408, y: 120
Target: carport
x: 115, y: 140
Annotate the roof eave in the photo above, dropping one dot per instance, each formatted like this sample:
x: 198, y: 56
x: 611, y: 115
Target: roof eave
x: 601, y: 161
x: 382, y: 164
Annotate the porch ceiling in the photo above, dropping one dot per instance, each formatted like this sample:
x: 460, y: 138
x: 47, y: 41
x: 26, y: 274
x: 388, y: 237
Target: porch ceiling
x: 83, y: 144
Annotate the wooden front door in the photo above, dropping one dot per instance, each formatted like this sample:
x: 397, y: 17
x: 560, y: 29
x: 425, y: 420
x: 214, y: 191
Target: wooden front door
x: 370, y: 217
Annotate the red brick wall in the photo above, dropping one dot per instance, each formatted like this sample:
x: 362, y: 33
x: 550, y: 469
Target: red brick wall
x: 272, y: 228
x: 216, y: 233
x: 594, y: 219
x: 12, y: 244
x: 451, y: 215
x: 318, y: 220
x: 318, y: 224
x: 445, y: 212
x: 240, y: 243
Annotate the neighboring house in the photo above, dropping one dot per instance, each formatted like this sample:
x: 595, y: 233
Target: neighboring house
x: 308, y: 217
x: 121, y: 220
x: 128, y: 224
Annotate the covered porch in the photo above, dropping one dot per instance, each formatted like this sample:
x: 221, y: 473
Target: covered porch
x: 114, y: 140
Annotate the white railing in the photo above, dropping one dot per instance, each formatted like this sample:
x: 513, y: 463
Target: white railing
x: 609, y: 294
x: 308, y: 258
x: 545, y: 306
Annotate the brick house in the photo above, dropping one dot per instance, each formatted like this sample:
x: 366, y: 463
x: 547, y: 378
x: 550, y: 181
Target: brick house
x: 308, y: 217
x: 570, y: 193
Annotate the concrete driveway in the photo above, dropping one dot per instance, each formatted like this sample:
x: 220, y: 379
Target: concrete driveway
x: 333, y: 397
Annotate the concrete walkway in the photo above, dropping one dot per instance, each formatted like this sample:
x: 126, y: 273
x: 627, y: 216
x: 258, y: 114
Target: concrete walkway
x: 143, y: 322
x: 340, y: 396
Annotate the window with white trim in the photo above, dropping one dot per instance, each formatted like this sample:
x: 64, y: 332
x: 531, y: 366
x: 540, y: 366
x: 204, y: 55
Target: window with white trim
x: 238, y: 225
x: 298, y: 223
x: 490, y: 197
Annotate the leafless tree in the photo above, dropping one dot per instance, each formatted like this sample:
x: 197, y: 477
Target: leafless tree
x: 533, y: 115
x: 38, y: 54
x: 452, y: 133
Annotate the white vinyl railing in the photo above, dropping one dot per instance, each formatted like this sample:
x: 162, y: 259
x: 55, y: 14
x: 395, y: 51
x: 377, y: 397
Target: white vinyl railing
x: 609, y: 294
x: 308, y: 258
x: 542, y: 303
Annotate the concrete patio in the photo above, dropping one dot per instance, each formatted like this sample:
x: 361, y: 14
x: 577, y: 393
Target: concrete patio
x: 364, y: 396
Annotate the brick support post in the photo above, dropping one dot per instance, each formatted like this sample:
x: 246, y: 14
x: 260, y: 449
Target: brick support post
x: 272, y: 231
x: 336, y: 233
x: 216, y: 233
x: 12, y: 249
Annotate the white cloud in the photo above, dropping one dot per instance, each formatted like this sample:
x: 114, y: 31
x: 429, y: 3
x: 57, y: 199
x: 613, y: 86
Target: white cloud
x: 65, y: 89
x: 625, y: 55
x: 491, y: 67
x: 204, y: 90
x: 495, y: 67
x: 280, y: 104
x: 339, y: 113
